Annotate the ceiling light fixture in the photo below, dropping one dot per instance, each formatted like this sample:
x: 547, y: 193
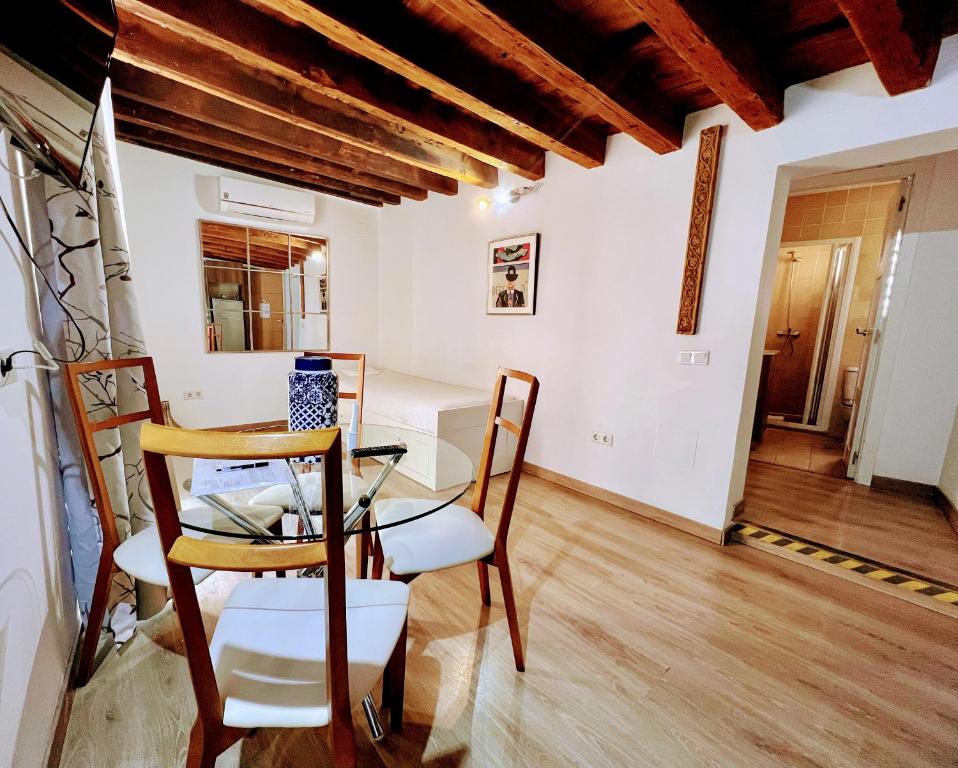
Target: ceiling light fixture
x: 483, y: 203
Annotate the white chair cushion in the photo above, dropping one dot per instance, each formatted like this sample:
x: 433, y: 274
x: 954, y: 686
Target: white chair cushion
x: 141, y: 555
x: 452, y: 536
x: 205, y: 516
x: 269, y: 650
x: 311, y: 484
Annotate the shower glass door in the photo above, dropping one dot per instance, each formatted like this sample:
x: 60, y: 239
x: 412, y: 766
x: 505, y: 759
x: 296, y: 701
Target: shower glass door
x: 805, y: 328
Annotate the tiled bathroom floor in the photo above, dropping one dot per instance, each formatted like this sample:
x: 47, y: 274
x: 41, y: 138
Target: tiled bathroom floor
x: 810, y: 451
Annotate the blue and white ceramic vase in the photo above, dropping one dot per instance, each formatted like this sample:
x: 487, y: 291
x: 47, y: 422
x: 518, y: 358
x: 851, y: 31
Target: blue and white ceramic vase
x: 313, y: 396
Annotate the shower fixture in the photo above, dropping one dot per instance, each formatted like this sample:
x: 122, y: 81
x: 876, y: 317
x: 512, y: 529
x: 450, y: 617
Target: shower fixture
x: 789, y: 334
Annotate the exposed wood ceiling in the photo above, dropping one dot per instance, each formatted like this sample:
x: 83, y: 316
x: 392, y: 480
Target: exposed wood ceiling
x: 375, y: 102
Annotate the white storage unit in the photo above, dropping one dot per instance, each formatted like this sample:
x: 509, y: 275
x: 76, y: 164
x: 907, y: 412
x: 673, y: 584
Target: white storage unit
x: 438, y: 411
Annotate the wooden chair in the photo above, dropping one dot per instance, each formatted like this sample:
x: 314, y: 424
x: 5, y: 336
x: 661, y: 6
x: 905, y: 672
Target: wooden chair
x: 139, y: 554
x: 456, y: 535
x: 286, y: 653
x: 360, y: 360
x: 283, y: 496
x: 214, y: 337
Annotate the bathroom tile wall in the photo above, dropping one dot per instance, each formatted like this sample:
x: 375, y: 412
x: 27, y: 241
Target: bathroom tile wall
x: 805, y: 278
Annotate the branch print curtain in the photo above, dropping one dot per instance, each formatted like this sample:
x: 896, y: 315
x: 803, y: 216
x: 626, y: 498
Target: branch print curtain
x: 94, y: 316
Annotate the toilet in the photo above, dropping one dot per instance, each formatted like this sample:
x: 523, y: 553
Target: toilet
x: 849, y: 382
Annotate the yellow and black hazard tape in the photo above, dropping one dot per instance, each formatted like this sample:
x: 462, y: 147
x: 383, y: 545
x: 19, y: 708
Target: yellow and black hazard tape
x: 919, y: 585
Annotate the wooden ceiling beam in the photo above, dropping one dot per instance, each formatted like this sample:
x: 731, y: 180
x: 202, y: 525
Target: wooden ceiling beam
x: 236, y: 161
x: 144, y: 87
x: 397, y: 39
x: 239, y: 257
x: 718, y: 54
x: 307, y: 59
x: 164, y: 52
x: 226, y: 240
x: 901, y: 37
x: 556, y: 51
x: 269, y: 252
x: 152, y: 117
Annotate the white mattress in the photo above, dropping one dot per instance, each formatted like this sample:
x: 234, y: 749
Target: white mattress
x: 416, y: 402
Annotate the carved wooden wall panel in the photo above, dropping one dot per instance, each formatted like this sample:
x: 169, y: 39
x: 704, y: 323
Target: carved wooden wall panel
x: 703, y: 195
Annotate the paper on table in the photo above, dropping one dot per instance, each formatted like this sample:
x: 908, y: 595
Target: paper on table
x: 215, y: 476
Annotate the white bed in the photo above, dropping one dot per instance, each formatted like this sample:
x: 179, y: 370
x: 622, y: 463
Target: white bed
x: 436, y: 410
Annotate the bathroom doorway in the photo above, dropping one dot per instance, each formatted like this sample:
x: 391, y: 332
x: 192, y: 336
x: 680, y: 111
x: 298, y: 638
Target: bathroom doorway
x: 828, y: 264
x: 892, y: 428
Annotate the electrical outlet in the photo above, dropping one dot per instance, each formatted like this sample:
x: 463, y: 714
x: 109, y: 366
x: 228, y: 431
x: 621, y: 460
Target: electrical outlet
x: 602, y: 438
x: 192, y: 394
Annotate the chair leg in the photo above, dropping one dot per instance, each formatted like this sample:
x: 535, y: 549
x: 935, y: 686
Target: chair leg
x: 277, y: 528
x: 378, y: 558
x: 362, y: 550
x: 509, y: 598
x: 94, y: 623
x: 484, y: 583
x: 394, y: 681
x: 202, y: 750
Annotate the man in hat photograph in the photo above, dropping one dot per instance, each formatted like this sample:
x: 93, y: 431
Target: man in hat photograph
x: 511, y: 297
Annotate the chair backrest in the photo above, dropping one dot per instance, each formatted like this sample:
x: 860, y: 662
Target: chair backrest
x: 521, y: 431
x: 214, y: 337
x: 80, y: 377
x: 182, y: 553
x: 360, y: 359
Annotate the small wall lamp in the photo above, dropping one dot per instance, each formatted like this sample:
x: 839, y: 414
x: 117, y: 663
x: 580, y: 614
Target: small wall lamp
x: 504, y: 196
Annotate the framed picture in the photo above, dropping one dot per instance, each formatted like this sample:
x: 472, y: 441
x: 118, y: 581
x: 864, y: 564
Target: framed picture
x: 512, y: 265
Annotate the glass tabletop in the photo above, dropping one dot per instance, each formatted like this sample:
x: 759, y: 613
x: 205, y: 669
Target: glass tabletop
x: 239, y: 500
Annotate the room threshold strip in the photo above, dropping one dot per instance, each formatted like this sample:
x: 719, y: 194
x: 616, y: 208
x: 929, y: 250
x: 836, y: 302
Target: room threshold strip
x: 920, y: 590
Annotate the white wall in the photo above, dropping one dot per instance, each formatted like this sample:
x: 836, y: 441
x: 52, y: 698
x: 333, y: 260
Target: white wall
x: 613, y: 242
x: 38, y: 615
x: 923, y: 390
x: 948, y: 482
x: 165, y: 197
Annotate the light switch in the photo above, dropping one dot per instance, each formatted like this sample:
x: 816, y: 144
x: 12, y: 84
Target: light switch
x: 694, y: 357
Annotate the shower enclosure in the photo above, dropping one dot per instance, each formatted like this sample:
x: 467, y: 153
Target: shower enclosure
x: 809, y: 309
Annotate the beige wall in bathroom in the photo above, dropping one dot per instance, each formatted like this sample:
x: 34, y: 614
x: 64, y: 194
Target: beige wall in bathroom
x: 851, y: 212
x: 807, y: 278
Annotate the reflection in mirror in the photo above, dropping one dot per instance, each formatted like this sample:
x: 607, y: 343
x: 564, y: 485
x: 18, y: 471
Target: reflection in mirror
x: 268, y: 250
x: 308, y: 331
x: 265, y: 291
x: 223, y: 242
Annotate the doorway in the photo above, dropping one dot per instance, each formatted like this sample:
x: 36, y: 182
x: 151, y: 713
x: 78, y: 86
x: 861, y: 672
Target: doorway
x: 869, y: 345
x: 828, y: 263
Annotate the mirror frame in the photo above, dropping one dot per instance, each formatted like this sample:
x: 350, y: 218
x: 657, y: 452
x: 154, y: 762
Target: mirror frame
x: 204, y: 288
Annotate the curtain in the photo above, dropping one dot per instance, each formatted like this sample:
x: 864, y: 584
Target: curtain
x: 84, y: 256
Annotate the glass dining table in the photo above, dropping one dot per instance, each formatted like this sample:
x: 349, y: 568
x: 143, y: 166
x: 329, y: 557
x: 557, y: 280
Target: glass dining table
x: 217, y: 494
x: 386, y: 463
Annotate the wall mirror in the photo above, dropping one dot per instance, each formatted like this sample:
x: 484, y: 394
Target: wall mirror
x: 265, y: 290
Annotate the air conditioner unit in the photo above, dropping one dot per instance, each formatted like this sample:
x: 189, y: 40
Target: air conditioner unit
x: 266, y: 202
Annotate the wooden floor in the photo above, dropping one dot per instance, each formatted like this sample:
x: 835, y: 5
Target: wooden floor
x: 812, y: 451
x: 902, y: 531
x: 646, y: 647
